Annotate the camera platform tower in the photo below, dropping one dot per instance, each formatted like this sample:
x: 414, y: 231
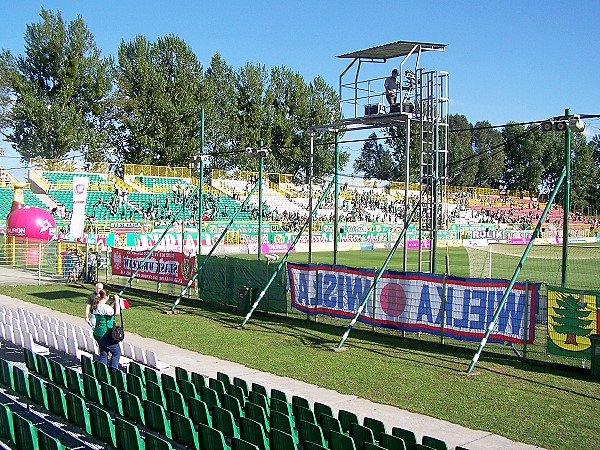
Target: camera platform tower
x: 422, y: 109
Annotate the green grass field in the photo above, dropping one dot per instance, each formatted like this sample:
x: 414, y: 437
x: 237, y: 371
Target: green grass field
x: 549, y: 407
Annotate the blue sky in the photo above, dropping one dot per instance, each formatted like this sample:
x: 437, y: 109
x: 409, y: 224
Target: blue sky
x: 508, y: 61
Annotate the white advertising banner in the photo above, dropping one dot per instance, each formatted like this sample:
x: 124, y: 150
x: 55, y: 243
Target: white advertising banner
x: 417, y: 301
x: 80, y: 188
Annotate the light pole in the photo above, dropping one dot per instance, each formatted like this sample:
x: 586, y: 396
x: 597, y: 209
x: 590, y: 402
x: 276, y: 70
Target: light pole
x: 199, y: 161
x: 261, y: 153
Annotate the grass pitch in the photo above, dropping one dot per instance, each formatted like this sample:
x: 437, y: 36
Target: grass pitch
x: 552, y: 408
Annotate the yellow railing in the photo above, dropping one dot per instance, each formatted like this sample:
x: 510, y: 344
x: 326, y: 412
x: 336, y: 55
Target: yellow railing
x: 157, y: 171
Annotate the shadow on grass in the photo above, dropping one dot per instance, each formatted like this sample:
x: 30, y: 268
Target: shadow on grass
x: 326, y: 336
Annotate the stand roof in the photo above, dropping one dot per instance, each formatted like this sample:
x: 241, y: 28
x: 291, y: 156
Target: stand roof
x: 393, y: 50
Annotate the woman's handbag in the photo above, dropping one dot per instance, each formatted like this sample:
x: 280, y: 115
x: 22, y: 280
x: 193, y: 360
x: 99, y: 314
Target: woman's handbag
x: 117, y: 333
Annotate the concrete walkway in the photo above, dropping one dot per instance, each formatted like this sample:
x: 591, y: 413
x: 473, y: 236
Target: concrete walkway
x: 392, y: 417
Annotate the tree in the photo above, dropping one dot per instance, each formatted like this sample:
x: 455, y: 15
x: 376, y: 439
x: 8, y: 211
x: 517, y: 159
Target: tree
x: 222, y: 125
x: 523, y: 158
x: 462, y: 160
x: 489, y: 147
x: 60, y: 90
x: 159, y: 98
x: 569, y: 315
x: 374, y: 161
x: 584, y: 184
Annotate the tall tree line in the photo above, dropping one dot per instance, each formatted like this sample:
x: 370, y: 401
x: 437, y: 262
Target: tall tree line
x: 515, y: 157
x: 63, y: 99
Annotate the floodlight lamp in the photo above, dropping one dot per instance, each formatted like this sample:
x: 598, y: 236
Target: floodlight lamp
x: 548, y: 125
x: 576, y: 124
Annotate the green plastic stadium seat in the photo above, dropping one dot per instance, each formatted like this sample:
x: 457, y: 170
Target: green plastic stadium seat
x: 118, y: 378
x: 212, y: 438
x: 137, y: 370
x: 44, y: 367
x: 322, y: 408
x: 283, y: 422
x: 151, y: 375
x: 77, y: 412
x: 257, y: 413
x: 224, y: 422
x: 435, y: 443
x: 199, y: 413
x: 281, y: 407
x: 176, y: 402
x: 56, y: 400
x: 280, y: 395
x: 101, y: 371
x: 409, y: 438
x: 132, y: 408
x: 253, y: 432
x: 91, y: 389
x: 37, y: 391
x: 310, y: 432
x: 47, y: 442
x: 168, y: 382
x: 260, y: 399
x: 237, y: 392
x: 347, y: 418
x: 156, y: 418
x: 183, y: 431
x: 376, y: 425
x: 26, y: 435
x: 74, y: 381
x: 305, y: 414
x: 329, y: 424
x: 182, y: 374
x: 391, y: 442
x: 218, y: 386
x: 155, y: 394
x: 128, y: 435
x: 210, y: 397
x: 102, y: 426
x: 21, y: 383
x: 111, y: 398
x: 280, y: 440
x: 199, y: 381
x: 361, y: 435
x: 135, y: 386
x: 154, y: 442
x: 224, y: 378
x: 232, y: 404
x: 300, y: 401
x: 87, y: 366
x: 7, y: 429
x: 340, y: 441
x: 57, y: 374
x: 6, y: 374
x: 30, y: 360
x: 256, y: 387
x: 240, y: 444
x: 187, y: 389
x: 243, y: 384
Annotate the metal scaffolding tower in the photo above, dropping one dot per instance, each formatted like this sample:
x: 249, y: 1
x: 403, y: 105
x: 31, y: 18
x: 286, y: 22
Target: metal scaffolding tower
x: 422, y: 100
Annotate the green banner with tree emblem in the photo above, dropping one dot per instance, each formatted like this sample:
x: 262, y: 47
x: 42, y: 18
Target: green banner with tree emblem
x: 572, y: 317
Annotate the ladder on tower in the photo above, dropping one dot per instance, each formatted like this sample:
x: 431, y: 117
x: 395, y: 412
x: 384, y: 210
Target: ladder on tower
x: 432, y: 109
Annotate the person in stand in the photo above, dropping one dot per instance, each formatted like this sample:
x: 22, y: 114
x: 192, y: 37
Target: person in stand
x: 105, y: 319
x: 391, y: 87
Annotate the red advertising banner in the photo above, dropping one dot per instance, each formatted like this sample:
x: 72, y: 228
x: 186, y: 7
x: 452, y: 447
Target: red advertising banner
x: 166, y: 267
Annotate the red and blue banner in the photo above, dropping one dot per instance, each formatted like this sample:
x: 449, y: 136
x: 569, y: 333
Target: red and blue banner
x: 166, y: 267
x: 417, y: 302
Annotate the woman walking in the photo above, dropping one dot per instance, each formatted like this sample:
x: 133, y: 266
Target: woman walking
x: 105, y: 320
